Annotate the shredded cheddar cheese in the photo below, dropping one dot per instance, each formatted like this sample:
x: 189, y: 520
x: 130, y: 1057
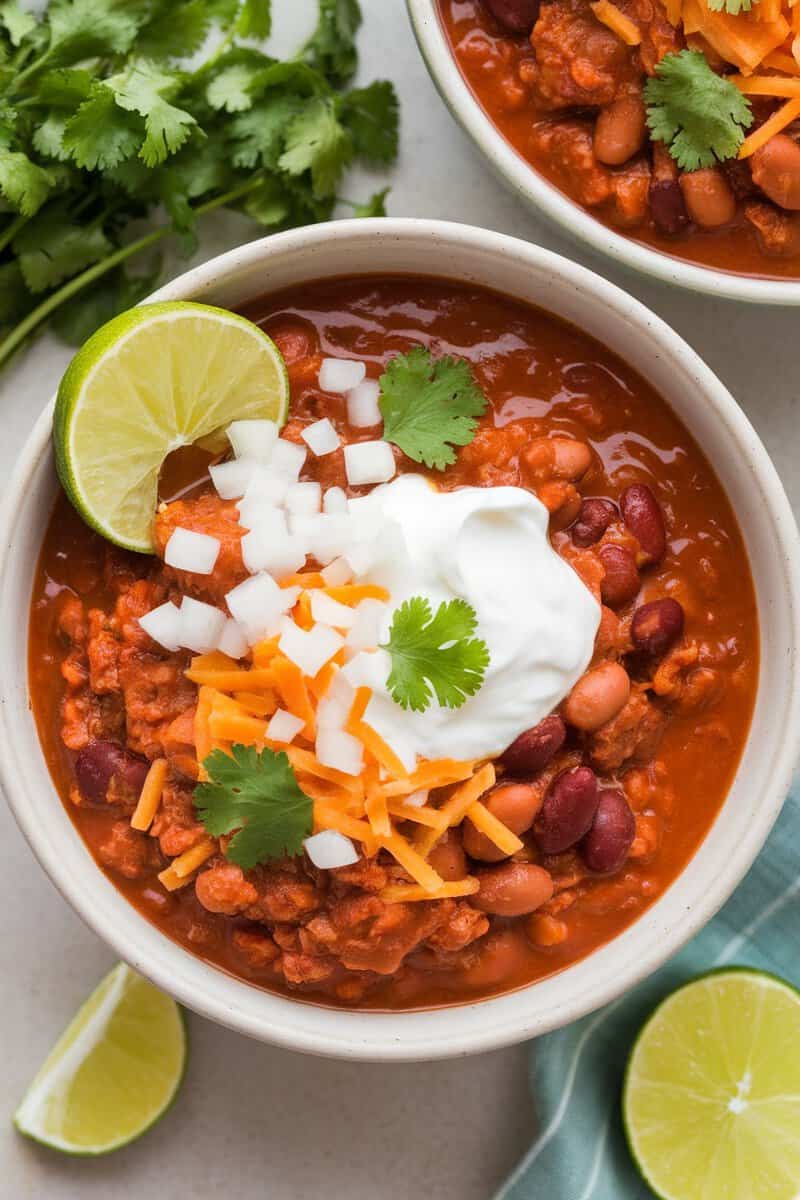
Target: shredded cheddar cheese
x: 150, y: 796
x: 614, y: 18
x: 787, y: 113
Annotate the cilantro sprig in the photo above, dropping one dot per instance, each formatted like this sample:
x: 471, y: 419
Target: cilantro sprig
x: 258, y: 796
x: 429, y: 406
x: 699, y: 115
x: 103, y: 124
x: 435, y: 654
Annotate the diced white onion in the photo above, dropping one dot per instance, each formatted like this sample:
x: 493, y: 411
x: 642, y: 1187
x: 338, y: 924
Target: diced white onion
x: 340, y: 374
x: 253, y: 440
x: 363, y: 410
x: 330, y: 612
x: 258, y: 604
x: 232, y: 640
x: 284, y: 726
x: 361, y: 556
x: 306, y: 528
x: 321, y: 437
x: 334, y: 707
x: 281, y: 555
x: 163, y: 625
x: 368, y: 669
x: 365, y: 632
x: 334, y: 536
x: 329, y: 849
x: 369, y: 462
x: 201, y: 625
x: 334, y: 500
x: 309, y: 649
x: 417, y: 799
x: 287, y: 459
x: 232, y: 479
x: 337, y: 573
x: 304, y: 498
x: 187, y: 550
x: 264, y: 492
x: 340, y: 750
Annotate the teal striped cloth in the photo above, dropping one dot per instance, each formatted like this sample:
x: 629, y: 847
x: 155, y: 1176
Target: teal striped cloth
x: 576, y: 1073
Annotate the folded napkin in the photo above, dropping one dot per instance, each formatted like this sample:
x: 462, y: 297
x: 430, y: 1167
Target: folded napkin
x: 576, y: 1073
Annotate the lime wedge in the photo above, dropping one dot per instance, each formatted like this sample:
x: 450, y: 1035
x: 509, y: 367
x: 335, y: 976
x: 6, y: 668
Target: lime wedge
x: 712, y: 1092
x: 113, y: 1072
x: 155, y: 378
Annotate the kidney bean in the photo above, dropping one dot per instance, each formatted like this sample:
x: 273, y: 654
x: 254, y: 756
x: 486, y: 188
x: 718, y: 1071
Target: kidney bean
x: 776, y: 170
x: 100, y: 762
x: 709, y: 199
x: 448, y: 857
x: 667, y: 206
x: 533, y: 749
x: 621, y: 580
x: 568, y: 810
x: 642, y: 515
x: 597, y: 697
x: 605, y: 847
x: 619, y: 130
x: 513, y: 889
x: 516, y: 805
x: 557, y: 458
x: 518, y: 16
x: 594, y: 518
x: 655, y: 626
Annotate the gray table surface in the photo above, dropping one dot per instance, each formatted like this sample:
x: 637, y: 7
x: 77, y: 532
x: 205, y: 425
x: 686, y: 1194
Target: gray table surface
x: 264, y: 1120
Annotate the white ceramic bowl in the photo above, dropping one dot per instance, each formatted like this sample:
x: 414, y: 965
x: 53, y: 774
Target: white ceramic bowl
x: 538, y: 193
x: 643, y: 340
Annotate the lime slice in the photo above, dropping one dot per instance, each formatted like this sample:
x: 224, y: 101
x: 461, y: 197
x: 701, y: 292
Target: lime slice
x: 712, y: 1092
x: 155, y: 378
x: 113, y: 1072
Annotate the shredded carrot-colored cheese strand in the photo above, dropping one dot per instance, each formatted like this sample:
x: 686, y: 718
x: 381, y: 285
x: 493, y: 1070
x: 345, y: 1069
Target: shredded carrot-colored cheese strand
x: 191, y: 859
x: 434, y: 774
x: 378, y: 815
x: 433, y: 818
x: 487, y: 823
x: 259, y: 706
x: 150, y: 796
x: 374, y: 744
x: 774, y: 124
x: 202, y: 734
x: 304, y: 760
x: 235, y: 727
x: 405, y: 893
x: 456, y: 808
x: 766, y: 85
x: 305, y: 579
x: 233, y: 680
x: 412, y: 862
x: 328, y: 817
x: 291, y: 684
x: 617, y: 22
x: 354, y: 593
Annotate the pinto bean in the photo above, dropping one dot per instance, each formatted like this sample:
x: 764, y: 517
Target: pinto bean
x: 568, y: 810
x: 655, y: 626
x: 709, y: 199
x: 642, y: 515
x: 597, y: 697
x: 557, y: 458
x: 518, y: 16
x: 561, y: 500
x: 448, y: 857
x: 516, y: 805
x: 621, y: 580
x: 100, y: 762
x: 513, y: 889
x: 594, y: 518
x: 667, y: 206
x: 607, y: 844
x: 533, y: 749
x: 619, y: 130
x: 776, y: 170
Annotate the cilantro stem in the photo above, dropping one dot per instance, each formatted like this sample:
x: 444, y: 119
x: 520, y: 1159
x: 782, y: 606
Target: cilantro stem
x: 89, y: 276
x: 11, y: 231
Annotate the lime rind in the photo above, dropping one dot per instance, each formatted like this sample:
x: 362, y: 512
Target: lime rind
x: 113, y: 1073
x: 711, y: 1099
x: 153, y: 379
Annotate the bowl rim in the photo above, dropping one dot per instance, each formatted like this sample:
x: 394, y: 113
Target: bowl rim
x: 537, y: 192
x: 502, y: 1020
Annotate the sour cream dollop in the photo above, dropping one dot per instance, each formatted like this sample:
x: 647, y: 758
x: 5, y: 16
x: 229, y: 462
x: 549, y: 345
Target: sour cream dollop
x: 490, y: 547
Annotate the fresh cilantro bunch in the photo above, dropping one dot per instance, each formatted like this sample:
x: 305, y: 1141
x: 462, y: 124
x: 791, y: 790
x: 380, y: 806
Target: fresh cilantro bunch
x: 435, y: 654
x: 103, y: 122
x: 429, y: 406
x: 258, y: 796
x: 699, y: 115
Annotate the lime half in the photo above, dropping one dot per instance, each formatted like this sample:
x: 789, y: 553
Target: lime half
x: 712, y: 1092
x: 156, y: 378
x: 113, y: 1072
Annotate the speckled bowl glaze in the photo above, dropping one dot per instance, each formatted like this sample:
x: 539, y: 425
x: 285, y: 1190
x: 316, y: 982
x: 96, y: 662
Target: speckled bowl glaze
x: 533, y: 275
x: 539, y: 194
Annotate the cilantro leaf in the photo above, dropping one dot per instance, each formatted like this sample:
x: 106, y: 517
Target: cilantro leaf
x: 51, y: 248
x: 258, y: 795
x: 258, y: 135
x: 101, y: 134
x: 371, y: 116
x: 83, y: 28
x: 316, y: 141
x: 176, y: 32
x: 232, y: 88
x: 147, y: 89
x: 374, y: 207
x: 429, y: 406
x: 331, y: 49
x: 698, y: 114
x: 255, y: 19
x: 435, y: 652
x: 16, y: 21
x: 24, y: 184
